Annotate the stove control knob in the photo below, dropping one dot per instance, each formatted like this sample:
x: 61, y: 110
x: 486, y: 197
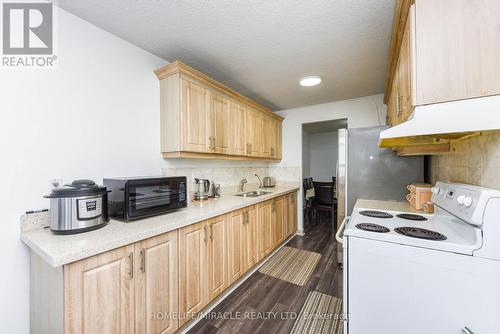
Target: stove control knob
x: 468, y: 201
x: 460, y: 199
x: 435, y: 190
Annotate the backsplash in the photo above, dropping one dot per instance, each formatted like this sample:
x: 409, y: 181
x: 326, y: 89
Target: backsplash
x: 230, y: 177
x: 475, y: 161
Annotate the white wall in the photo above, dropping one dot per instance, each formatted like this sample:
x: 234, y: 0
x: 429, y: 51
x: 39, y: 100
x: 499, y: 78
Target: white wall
x: 323, y: 151
x: 96, y: 115
x: 360, y: 112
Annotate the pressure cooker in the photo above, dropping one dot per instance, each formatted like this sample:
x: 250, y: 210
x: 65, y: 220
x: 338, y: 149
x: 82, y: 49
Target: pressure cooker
x: 78, y: 207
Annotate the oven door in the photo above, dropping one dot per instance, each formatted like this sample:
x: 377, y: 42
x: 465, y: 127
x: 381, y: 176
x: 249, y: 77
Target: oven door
x: 149, y: 197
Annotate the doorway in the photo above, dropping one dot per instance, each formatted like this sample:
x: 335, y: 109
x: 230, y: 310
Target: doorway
x: 319, y: 169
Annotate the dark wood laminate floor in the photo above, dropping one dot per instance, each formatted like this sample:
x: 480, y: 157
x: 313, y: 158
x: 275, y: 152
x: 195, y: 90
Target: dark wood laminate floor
x: 262, y: 293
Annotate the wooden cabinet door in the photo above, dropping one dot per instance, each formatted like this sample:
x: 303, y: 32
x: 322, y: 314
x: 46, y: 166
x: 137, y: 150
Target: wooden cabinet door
x: 264, y: 228
x: 404, y: 73
x: 193, y: 289
x: 194, y: 116
x: 291, y: 214
x: 253, y: 131
x: 276, y: 139
x: 278, y: 221
x: 392, y: 102
x: 156, y: 285
x: 219, y: 124
x: 99, y: 293
x: 265, y: 124
x: 250, y: 238
x: 235, y: 243
x: 457, y: 49
x: 406, y: 76
x: 238, y: 143
x: 217, y: 256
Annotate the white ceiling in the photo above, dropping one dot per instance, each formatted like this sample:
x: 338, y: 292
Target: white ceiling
x: 261, y: 48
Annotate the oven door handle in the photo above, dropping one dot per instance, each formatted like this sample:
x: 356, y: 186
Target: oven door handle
x: 341, y: 230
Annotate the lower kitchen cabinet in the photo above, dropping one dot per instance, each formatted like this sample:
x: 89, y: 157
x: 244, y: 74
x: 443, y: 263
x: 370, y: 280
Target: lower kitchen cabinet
x: 217, y: 256
x: 156, y: 284
x: 250, y: 238
x: 236, y: 244
x: 193, y: 261
x: 99, y: 293
x: 265, y: 228
x: 242, y: 242
x: 290, y: 215
x: 278, y: 211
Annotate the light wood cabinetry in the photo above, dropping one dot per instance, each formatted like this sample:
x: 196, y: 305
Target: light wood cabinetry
x: 219, y: 124
x: 265, y: 228
x: 217, y: 256
x: 235, y: 245
x: 442, y: 51
x: 250, y: 238
x: 99, y: 293
x: 197, y: 137
x: 193, y: 289
x: 278, y: 221
x: 156, y: 284
x: 201, y: 118
x: 253, y: 132
x: 290, y: 215
x: 238, y: 143
x: 242, y: 242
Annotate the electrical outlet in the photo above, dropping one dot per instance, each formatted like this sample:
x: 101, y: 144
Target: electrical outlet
x: 54, y: 183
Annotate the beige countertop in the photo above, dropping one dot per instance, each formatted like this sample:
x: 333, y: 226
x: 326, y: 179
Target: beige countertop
x: 58, y: 250
x: 385, y: 205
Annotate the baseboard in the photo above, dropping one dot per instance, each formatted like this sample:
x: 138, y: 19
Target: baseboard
x: 185, y: 328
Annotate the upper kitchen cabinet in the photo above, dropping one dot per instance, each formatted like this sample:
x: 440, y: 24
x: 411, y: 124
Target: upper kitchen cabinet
x: 201, y: 118
x: 442, y: 51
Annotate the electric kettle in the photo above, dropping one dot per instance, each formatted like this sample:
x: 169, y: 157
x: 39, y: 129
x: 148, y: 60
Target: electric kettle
x: 202, y: 189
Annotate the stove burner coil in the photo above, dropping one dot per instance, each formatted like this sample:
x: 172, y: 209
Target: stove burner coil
x: 372, y: 228
x: 420, y: 233
x: 376, y: 214
x: 411, y: 216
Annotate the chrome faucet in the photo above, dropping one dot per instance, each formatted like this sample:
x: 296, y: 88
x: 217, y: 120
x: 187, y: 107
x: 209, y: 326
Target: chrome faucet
x: 242, y: 184
x: 260, y: 181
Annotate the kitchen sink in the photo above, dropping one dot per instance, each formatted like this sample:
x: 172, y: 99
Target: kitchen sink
x: 256, y: 193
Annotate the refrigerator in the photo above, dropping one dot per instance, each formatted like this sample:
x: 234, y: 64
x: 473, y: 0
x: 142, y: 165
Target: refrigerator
x: 367, y: 171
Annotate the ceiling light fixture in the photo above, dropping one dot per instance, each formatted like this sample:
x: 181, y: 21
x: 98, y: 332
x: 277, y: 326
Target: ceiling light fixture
x: 311, y: 80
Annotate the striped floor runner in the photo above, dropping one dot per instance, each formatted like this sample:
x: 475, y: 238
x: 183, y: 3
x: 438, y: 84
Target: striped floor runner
x: 292, y: 265
x: 320, y: 314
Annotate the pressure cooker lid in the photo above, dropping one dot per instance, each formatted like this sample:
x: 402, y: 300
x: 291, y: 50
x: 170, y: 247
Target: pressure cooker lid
x: 78, y: 188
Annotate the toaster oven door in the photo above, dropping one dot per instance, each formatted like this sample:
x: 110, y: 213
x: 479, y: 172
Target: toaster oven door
x: 150, y: 197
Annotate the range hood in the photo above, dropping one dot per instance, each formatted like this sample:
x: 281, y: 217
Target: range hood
x: 431, y: 129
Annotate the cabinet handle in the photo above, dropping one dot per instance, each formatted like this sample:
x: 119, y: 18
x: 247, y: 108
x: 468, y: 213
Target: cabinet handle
x: 211, y: 233
x: 131, y: 267
x: 205, y: 233
x: 143, y: 260
x: 245, y: 217
x: 272, y: 151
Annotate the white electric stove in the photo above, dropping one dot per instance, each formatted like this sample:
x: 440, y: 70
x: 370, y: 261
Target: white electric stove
x: 425, y: 273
